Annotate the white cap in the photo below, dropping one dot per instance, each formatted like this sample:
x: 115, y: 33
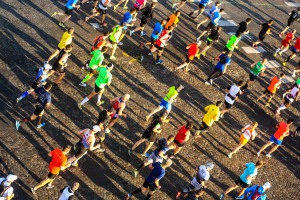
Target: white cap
x: 267, y: 185
x: 47, y: 66
x: 96, y: 128
x: 11, y: 178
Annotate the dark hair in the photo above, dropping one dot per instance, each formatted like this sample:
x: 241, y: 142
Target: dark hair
x: 217, y: 3
x: 104, y: 48
x: 171, y: 28
x: 222, y: 10
x: 106, y: 33
x: 219, y: 28
x: 132, y: 10
x: 69, y: 47
x: 240, y: 83
x: 219, y: 103
x: 248, y: 20
x: 153, y: 4
x: 189, y: 125
x: 170, y: 137
x: 289, y: 121
x: 48, y: 86
x: 271, y: 21
x: 238, y: 35
x: 67, y: 148
x: 259, y: 163
x: 281, y: 75
x: 69, y: 29
x: 298, y: 9
x: 111, y: 109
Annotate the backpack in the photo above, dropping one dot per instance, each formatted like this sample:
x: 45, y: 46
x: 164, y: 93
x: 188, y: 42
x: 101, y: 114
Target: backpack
x: 3, y: 189
x: 98, y: 40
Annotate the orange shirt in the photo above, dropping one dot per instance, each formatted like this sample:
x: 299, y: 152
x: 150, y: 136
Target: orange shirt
x: 282, y: 128
x: 173, y: 19
x: 58, y: 160
x: 272, y: 87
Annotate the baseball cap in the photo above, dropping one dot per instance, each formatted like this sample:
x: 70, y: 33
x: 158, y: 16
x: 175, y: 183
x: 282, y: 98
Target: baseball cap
x: 47, y: 66
x: 96, y: 128
x: 11, y: 178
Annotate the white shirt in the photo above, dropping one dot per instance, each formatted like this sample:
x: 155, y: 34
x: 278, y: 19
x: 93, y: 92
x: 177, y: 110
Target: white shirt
x: 8, y: 192
x: 233, y: 91
x: 65, y: 195
x: 101, y: 5
x: 247, y: 133
x: 294, y: 91
x: 203, y: 173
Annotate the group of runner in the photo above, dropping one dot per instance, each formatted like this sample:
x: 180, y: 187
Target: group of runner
x: 92, y: 138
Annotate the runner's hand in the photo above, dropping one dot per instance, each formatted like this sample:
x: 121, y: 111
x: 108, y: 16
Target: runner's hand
x: 158, y: 187
x: 124, y: 115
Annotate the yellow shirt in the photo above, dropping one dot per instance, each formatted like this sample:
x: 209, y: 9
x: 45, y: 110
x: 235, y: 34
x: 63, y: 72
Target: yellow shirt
x: 173, y: 19
x: 65, y: 40
x: 212, y: 114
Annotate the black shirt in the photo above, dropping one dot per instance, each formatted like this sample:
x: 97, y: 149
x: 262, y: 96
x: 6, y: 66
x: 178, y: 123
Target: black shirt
x: 265, y: 28
x: 103, y: 117
x: 242, y: 28
x: 294, y: 16
x: 147, y: 12
x: 214, y: 35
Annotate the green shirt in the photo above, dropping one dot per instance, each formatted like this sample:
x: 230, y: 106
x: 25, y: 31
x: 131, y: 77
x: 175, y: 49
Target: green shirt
x: 172, y: 92
x: 232, y: 42
x: 112, y: 36
x: 258, y: 67
x: 104, y: 76
x: 97, y: 59
x: 298, y: 81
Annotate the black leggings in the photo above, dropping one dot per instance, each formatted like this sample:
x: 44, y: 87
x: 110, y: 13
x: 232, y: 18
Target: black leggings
x: 213, y: 73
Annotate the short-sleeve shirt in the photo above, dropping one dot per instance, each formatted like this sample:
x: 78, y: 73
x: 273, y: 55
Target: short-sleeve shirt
x: 250, y: 170
x: 193, y: 49
x: 157, y: 173
x: 297, y: 44
x: 127, y: 18
x: 70, y: 3
x: 232, y: 42
x: 282, y: 128
x: 234, y: 91
x: 294, y: 16
x: 212, y: 114
x: 58, y: 160
x: 221, y: 66
x: 97, y: 58
x: 65, y: 40
x: 272, y: 87
x: 242, y: 28
x: 215, y: 18
x: 104, y: 76
x: 249, y: 132
x: 156, y: 30
x: 98, y: 42
x: 173, y: 19
x: 8, y: 192
x: 265, y: 27
x: 172, y: 92
x: 203, y: 174
x: 44, y: 97
x: 288, y: 37
x: 258, y: 67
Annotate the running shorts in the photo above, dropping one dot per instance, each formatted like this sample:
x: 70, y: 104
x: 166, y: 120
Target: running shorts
x: 204, y: 127
x: 51, y: 176
x: 241, y: 183
x: 68, y: 11
x: 59, y: 68
x: 38, y: 110
x: 189, y: 58
x: 243, y: 140
x: 261, y: 37
x: 226, y: 50
x: 101, y: 11
x: 227, y: 105
x: 268, y: 93
x: 210, y: 26
x: 285, y: 43
x: 209, y: 42
x: 98, y: 88
x: 252, y: 77
x: 196, y: 186
x: 81, y: 150
x: 149, y: 135
x: 276, y: 141
x: 290, y: 22
x: 294, y: 50
x: 151, y: 186
x: 58, y: 48
x: 166, y: 105
x: 158, y: 47
x: 144, y: 21
x: 201, y: 7
x: 112, y: 42
x: 34, y: 85
x: 179, y: 144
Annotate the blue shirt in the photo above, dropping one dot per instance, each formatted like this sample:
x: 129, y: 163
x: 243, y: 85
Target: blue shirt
x: 70, y: 3
x: 44, y: 97
x: 157, y: 173
x: 252, y: 191
x: 204, y: 2
x: 157, y: 30
x: 213, y: 9
x: 249, y: 171
x: 215, y: 18
x: 127, y: 19
x: 221, y: 66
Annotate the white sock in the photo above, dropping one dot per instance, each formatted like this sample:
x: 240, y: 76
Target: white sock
x: 84, y: 101
x: 283, y: 50
x: 277, y: 50
x: 99, y: 97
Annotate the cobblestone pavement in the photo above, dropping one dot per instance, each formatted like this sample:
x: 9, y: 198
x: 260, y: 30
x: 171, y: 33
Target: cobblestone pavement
x: 28, y: 35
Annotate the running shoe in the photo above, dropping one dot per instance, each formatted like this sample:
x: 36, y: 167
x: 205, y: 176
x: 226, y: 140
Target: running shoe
x: 293, y: 75
x: 268, y: 155
x: 55, y: 13
x: 229, y: 155
x: 18, y: 99
x: 131, y: 32
x: 135, y: 173
x: 275, y: 54
x: 222, y: 196
x: 280, y: 34
x: 258, y: 154
x: 240, y: 197
x: 134, y: 19
x: 18, y: 124
x: 204, y: 53
x: 112, y: 58
x: 178, y: 195
x: 211, y: 81
x: 128, y: 196
x: 145, y: 155
x: 115, y: 7
x: 129, y: 152
x: 143, y: 33
x: 198, y: 55
x: 100, y: 103
x: 284, y: 64
x: 50, y: 186
x: 120, y: 43
x: 142, y: 58
x: 33, y: 191
x: 107, y: 131
x: 82, y: 84
x: 79, y: 106
x: 74, y: 164
x: 41, y: 125
x: 62, y: 24
x: 150, y: 54
x: 147, y: 118
x: 158, y: 62
x: 125, y: 8
x: 100, y: 150
x: 280, y: 53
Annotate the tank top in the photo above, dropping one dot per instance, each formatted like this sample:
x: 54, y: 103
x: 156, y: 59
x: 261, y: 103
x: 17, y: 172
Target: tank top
x: 258, y: 67
x: 60, y: 55
x: 65, y: 195
x: 272, y: 87
x: 159, y: 42
x: 117, y: 104
x: 112, y: 36
x: 85, y: 139
x: 172, y: 92
x: 249, y: 132
x: 294, y: 91
x: 181, y: 135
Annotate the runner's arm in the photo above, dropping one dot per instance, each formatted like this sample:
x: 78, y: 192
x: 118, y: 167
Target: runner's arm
x: 187, y: 136
x: 157, y: 129
x: 157, y: 183
x: 243, y: 129
x: 297, y: 96
x: 225, y: 68
x: 262, y: 74
x: 48, y: 105
x: 65, y: 56
x: 253, y: 64
x: 189, y: 46
x: 161, y: 154
x: 92, y: 147
x: 82, y: 131
x: 173, y: 98
x: 120, y: 113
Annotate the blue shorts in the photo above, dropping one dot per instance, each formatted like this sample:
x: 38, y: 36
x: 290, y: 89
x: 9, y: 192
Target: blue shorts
x: 294, y: 50
x: 274, y: 140
x: 165, y: 104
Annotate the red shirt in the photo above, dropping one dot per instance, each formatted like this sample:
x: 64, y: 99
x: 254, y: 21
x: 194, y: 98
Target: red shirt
x: 193, y: 49
x: 297, y: 44
x: 181, y: 135
x: 272, y: 87
x: 289, y: 36
x: 58, y: 160
x: 282, y: 128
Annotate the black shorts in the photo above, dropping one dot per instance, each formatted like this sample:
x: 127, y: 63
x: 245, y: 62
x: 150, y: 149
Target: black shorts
x: 201, y: 6
x: 97, y: 89
x: 158, y: 47
x: 226, y: 50
x: 51, y: 176
x: 68, y: 11
x: 196, y: 191
x: 151, y: 186
x: 252, y: 77
x: 241, y: 183
x: 34, y: 85
x: 294, y: 50
x: 153, y: 41
x: 58, y: 48
x: 287, y: 102
x: 38, y: 110
x: 149, y: 135
x: 144, y: 21
x: 179, y: 144
x: 209, y: 43
x: 112, y: 42
x: 261, y: 37
x: 81, y: 150
x: 290, y: 22
x: 204, y: 127
x: 268, y: 93
x: 227, y: 105
x: 103, y: 12
x: 210, y: 26
x: 58, y: 68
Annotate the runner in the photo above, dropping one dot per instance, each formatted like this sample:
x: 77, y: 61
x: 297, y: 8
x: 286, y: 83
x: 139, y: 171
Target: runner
x: 296, y: 70
x: 173, y: 20
x: 285, y: 44
x: 212, y: 115
x: 114, y: 39
x: 87, y: 143
x: 66, y: 39
x: 157, y: 29
x: 60, y: 64
x: 149, y: 134
x: 99, y: 42
x: 233, y: 94
x: 101, y: 10
x: 40, y: 79
x: 43, y: 101
x: 119, y: 104
x: 210, y: 14
x: 265, y: 29
x: 151, y: 182
x: 158, y: 155
x: 289, y: 97
x: 257, y: 68
x: 213, y: 24
x: 67, y: 193
x: 182, y: 137
x: 193, y: 50
x: 294, y: 16
x: 166, y: 103
x: 138, y: 5
x: 198, y: 182
x: 201, y: 8
x: 271, y: 90
x: 283, y: 130
x: 245, y: 179
x: 95, y: 62
x: 58, y: 163
x: 160, y: 44
x: 8, y: 191
x: 243, y: 27
x: 256, y: 192
x: 221, y: 67
x: 295, y: 51
x: 147, y: 15
x: 213, y: 36
x: 104, y: 78
x: 248, y: 133
x: 71, y: 4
